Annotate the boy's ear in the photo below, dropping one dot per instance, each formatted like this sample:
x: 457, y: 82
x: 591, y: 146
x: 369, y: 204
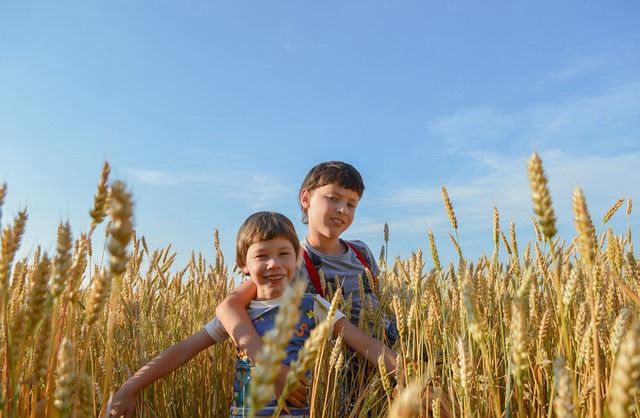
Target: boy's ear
x: 245, y: 270
x: 305, y: 197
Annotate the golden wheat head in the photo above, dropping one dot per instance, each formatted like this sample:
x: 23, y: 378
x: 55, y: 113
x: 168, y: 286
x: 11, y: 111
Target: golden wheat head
x: 99, y: 211
x: 541, y: 197
x: 621, y: 400
x: 121, y: 228
x: 449, y: 207
x: 584, y: 226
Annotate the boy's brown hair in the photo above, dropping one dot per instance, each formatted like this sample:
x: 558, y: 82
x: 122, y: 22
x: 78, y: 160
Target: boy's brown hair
x: 332, y: 172
x: 264, y: 226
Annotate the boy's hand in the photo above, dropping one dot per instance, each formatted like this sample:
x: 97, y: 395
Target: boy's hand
x: 298, y: 395
x: 122, y: 404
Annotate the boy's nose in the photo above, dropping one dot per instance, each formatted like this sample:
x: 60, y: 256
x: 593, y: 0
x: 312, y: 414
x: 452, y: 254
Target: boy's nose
x: 271, y: 263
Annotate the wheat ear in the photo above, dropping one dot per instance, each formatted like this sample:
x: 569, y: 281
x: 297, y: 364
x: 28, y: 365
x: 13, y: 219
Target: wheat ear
x: 310, y: 350
x: 626, y: 375
x: 120, y: 231
x: 65, y: 378
x: 434, y: 251
x: 584, y: 226
x: 563, y: 402
x: 99, y: 211
x: 612, y: 210
x: 3, y: 194
x: 408, y: 402
x: 62, y: 261
x: 541, y: 197
x: 267, y: 364
x: 449, y: 207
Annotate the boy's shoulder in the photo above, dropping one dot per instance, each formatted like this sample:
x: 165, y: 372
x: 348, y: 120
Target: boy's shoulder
x: 358, y: 250
x: 362, y: 248
x: 364, y: 253
x: 360, y: 245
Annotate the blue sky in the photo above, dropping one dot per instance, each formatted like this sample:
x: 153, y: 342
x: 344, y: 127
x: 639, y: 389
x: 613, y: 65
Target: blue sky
x: 213, y: 110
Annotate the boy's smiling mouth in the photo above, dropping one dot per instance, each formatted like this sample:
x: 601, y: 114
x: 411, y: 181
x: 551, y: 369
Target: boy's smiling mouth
x: 274, y: 277
x: 337, y: 221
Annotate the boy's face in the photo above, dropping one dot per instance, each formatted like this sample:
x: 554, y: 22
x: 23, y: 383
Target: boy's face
x: 271, y: 265
x: 330, y: 209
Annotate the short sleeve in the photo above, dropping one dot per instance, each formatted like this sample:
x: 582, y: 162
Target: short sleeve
x: 216, y: 330
x: 321, y: 308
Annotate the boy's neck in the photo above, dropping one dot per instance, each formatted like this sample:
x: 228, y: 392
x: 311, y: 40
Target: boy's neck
x: 332, y: 246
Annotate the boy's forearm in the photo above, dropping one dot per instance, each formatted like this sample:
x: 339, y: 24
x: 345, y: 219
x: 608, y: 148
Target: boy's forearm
x: 232, y: 313
x: 365, y: 344
x: 243, y: 333
x: 168, y: 361
x: 376, y: 349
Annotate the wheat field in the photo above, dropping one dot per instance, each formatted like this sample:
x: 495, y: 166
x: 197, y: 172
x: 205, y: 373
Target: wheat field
x: 538, y: 329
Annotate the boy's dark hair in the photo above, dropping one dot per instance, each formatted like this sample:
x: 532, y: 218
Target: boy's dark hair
x: 264, y: 226
x: 331, y: 172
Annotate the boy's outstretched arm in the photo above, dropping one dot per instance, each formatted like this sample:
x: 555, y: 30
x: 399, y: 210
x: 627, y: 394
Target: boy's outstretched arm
x: 164, y: 363
x: 364, y: 344
x: 232, y: 313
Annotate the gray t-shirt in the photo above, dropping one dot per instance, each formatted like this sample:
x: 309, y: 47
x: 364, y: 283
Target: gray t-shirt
x: 343, y: 269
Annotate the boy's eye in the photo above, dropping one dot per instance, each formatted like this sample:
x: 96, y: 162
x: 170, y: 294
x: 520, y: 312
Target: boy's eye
x: 351, y: 205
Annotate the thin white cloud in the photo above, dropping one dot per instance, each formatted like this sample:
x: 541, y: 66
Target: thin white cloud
x: 257, y: 191
x: 410, y: 224
x: 480, y: 124
x: 600, y: 121
x: 262, y: 191
x: 605, y: 60
x: 154, y: 177
x: 168, y: 178
x: 579, y: 67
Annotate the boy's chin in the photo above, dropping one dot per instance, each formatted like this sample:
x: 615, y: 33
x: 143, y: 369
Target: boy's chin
x: 274, y: 288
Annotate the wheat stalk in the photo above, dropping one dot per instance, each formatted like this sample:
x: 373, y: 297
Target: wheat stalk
x: 267, y: 362
x: 626, y: 375
x: 309, y: 351
x: 120, y: 231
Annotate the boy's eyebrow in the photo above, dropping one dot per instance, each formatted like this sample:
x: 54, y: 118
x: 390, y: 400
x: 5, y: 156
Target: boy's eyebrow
x: 342, y: 194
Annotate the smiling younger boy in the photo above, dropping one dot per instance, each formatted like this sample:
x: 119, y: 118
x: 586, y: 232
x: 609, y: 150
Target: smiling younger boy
x: 267, y: 250
x: 329, y: 197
